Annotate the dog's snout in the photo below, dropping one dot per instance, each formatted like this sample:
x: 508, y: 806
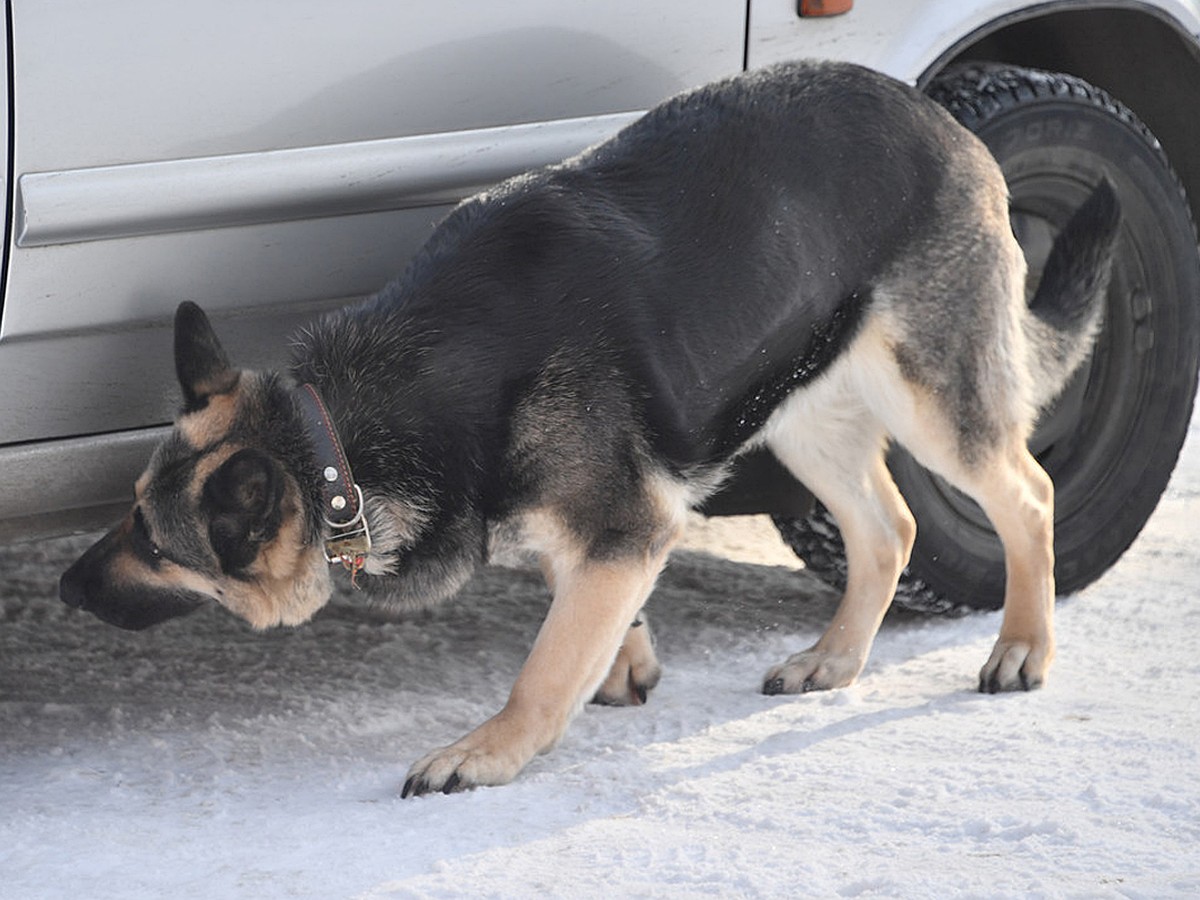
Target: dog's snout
x: 90, y: 585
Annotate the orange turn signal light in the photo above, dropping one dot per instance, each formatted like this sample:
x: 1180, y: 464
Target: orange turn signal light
x: 825, y: 7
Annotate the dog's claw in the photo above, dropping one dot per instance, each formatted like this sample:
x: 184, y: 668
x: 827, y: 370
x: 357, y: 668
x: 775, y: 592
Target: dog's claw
x: 992, y: 685
x: 1015, y: 666
x: 636, y: 690
x: 774, y: 686
x: 419, y: 786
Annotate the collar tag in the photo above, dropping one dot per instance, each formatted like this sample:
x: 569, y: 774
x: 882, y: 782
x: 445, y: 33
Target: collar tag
x: 349, y: 543
x: 351, y: 550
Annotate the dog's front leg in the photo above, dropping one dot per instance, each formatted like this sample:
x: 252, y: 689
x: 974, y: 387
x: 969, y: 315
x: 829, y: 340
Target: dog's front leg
x: 635, y: 671
x: 594, y: 602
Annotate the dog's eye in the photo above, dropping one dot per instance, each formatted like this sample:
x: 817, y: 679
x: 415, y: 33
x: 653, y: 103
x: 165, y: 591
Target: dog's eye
x: 141, y: 537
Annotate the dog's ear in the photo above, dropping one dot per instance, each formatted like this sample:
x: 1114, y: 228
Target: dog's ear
x: 242, y: 501
x: 200, y: 362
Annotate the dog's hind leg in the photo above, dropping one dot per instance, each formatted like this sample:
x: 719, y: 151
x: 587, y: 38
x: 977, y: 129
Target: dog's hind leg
x: 1018, y: 498
x: 833, y: 444
x: 594, y: 603
x: 991, y: 463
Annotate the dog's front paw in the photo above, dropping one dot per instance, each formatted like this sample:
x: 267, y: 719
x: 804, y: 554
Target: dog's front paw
x: 492, y: 754
x: 634, y: 672
x: 813, y: 670
x: 1015, y: 665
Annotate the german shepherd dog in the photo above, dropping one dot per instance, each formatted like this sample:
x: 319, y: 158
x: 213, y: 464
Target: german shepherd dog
x: 810, y: 258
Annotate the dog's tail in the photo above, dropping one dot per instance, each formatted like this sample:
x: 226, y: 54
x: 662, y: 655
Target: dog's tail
x: 1069, y: 302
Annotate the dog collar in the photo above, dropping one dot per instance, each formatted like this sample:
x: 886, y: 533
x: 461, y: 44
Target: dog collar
x: 349, y: 539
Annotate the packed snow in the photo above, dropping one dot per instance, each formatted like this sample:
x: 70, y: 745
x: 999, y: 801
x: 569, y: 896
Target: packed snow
x: 201, y: 759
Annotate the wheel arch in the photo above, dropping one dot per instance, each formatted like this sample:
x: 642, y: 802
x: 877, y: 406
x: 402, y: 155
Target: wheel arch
x: 1135, y: 52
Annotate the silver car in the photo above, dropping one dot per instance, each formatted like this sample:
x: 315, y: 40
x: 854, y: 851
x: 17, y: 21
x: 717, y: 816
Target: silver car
x: 273, y: 158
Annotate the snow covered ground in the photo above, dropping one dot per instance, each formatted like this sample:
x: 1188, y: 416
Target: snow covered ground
x: 203, y: 760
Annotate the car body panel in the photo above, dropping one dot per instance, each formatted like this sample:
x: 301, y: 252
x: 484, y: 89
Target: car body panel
x: 144, y: 129
x: 200, y: 80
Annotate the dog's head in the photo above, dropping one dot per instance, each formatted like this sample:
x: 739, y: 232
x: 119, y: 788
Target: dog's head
x: 218, y: 514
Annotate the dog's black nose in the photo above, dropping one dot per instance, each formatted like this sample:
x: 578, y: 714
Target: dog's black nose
x: 83, y: 582
x: 72, y: 589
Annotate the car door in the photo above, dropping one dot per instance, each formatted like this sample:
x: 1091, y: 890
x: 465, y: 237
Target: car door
x: 269, y: 159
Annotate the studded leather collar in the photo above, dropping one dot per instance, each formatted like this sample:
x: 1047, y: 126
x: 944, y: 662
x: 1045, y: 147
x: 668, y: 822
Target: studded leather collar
x: 349, y: 540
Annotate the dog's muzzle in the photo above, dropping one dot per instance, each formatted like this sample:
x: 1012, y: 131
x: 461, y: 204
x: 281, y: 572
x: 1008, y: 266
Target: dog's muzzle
x: 87, y: 585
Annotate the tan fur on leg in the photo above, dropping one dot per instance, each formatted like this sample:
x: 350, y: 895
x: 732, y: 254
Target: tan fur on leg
x: 594, y: 602
x: 832, y: 441
x: 878, y: 531
x: 1019, y: 499
x: 1017, y: 496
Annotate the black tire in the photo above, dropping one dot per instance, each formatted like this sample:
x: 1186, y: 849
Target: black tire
x: 1111, y: 441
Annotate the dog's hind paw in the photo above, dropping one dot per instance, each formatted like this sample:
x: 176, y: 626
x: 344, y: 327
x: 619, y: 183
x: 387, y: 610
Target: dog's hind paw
x: 813, y: 670
x: 634, y: 672
x: 1014, y: 666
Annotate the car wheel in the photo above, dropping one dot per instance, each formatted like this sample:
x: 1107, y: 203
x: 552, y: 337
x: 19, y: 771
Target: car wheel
x: 1111, y: 441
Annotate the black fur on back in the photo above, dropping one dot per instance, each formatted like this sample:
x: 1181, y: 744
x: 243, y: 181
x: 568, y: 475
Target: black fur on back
x: 668, y: 287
